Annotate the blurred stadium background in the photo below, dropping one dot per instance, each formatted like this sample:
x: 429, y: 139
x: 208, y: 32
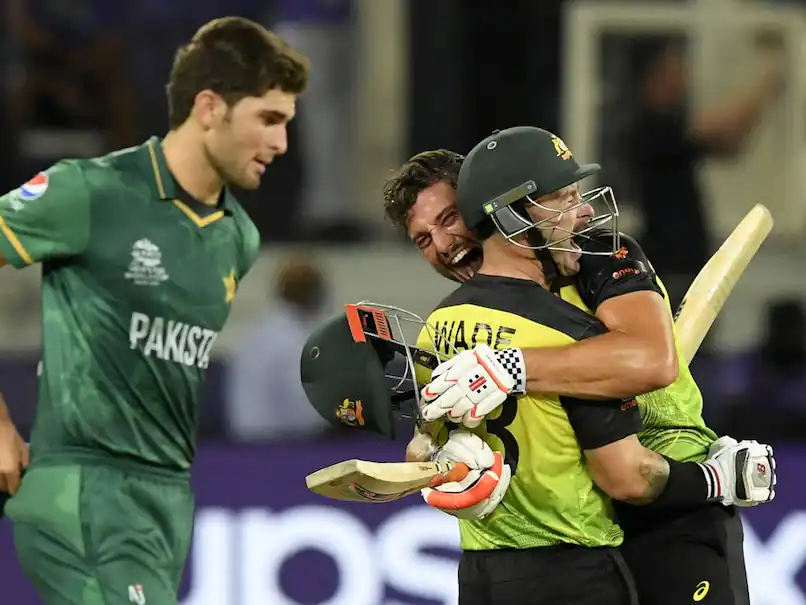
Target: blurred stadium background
x: 393, y: 77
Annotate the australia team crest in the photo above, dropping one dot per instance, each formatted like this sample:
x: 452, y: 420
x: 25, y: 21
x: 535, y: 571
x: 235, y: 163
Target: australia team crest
x: 351, y: 412
x: 561, y: 148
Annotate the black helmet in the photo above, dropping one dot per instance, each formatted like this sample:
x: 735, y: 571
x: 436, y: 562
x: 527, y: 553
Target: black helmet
x: 521, y: 164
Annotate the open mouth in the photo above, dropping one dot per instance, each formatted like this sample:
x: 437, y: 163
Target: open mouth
x: 466, y: 262
x: 570, y: 250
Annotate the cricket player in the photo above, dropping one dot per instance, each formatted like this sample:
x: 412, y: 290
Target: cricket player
x: 142, y: 252
x: 620, y: 288
x: 535, y: 528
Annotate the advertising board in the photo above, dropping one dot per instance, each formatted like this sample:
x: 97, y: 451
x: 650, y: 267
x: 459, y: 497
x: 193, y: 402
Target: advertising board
x: 262, y: 538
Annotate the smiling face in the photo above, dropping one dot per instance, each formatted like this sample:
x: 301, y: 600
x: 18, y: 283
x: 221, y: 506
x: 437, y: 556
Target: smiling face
x: 436, y: 228
x: 420, y: 199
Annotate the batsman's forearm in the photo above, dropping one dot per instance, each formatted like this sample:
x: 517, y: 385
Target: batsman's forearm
x: 673, y: 485
x: 633, y: 474
x: 608, y: 366
x: 654, y: 471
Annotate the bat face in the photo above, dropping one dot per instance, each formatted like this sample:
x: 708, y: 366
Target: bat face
x: 352, y: 488
x: 362, y: 481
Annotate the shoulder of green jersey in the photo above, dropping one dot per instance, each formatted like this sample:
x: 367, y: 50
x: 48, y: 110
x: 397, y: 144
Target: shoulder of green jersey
x: 250, y: 241
x: 46, y: 182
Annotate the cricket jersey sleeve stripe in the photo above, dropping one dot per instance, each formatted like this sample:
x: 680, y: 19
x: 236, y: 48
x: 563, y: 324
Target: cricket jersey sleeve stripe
x: 11, y: 243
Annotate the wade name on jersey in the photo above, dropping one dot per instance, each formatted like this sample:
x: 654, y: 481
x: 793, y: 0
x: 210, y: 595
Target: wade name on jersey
x: 171, y: 340
x: 454, y: 336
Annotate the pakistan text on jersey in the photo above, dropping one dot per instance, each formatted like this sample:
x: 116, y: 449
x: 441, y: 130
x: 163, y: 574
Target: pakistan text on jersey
x: 171, y: 340
x: 455, y: 333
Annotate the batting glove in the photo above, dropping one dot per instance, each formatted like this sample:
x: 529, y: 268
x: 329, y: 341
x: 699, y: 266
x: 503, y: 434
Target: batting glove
x: 477, y: 495
x: 472, y: 384
x: 741, y: 472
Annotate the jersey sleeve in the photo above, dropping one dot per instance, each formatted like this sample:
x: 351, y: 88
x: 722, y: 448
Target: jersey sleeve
x: 250, y: 248
x: 602, y: 277
x: 597, y: 423
x: 47, y: 218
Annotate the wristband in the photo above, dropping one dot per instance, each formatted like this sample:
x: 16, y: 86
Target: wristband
x: 690, y: 485
x: 513, y: 362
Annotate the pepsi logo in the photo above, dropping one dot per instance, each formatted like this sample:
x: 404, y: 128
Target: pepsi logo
x: 35, y: 188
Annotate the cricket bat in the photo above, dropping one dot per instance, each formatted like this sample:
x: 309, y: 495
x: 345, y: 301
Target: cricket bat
x: 715, y: 281
x: 363, y: 481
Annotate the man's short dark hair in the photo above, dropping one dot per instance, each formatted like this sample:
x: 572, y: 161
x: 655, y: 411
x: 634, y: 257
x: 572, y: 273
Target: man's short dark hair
x: 235, y: 58
x: 419, y: 173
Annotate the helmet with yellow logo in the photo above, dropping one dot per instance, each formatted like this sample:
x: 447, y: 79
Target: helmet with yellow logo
x: 516, y: 167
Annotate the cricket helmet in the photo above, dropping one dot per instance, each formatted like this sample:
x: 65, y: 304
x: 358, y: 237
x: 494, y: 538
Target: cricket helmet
x: 358, y: 367
x: 515, y: 167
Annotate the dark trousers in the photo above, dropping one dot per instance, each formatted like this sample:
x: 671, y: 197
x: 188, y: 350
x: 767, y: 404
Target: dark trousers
x: 553, y: 575
x: 691, y: 557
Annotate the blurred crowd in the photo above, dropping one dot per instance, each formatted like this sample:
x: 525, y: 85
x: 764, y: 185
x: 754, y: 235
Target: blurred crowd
x: 87, y: 76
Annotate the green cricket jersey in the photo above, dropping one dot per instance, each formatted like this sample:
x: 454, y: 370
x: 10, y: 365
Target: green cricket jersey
x: 137, y: 282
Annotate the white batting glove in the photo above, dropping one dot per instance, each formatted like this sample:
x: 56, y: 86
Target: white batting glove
x: 472, y: 384
x: 477, y: 495
x: 744, y: 471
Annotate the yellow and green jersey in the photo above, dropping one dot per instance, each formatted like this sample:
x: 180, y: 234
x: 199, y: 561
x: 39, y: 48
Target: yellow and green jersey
x: 672, y: 417
x: 552, y: 498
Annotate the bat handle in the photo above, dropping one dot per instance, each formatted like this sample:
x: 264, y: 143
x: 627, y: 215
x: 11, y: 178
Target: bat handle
x: 453, y: 471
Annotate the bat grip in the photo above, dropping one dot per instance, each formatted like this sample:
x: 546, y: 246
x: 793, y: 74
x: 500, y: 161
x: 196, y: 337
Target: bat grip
x: 456, y: 471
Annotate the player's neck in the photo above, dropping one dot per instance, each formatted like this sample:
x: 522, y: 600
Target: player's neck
x: 503, y: 259
x: 189, y: 165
